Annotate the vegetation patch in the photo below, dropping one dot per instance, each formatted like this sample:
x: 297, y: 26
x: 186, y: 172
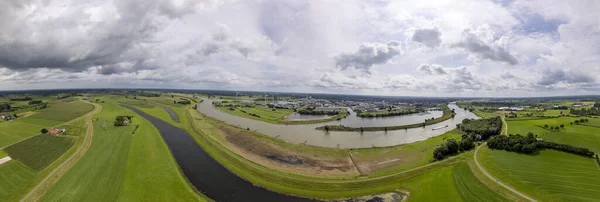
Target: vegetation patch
x: 40, y: 151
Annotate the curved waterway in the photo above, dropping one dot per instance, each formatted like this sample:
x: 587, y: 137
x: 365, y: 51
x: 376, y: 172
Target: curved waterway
x: 206, y: 174
x: 172, y: 113
x: 307, y: 134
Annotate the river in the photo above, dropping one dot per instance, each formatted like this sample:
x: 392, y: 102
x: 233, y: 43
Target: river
x: 307, y: 133
x: 206, y: 174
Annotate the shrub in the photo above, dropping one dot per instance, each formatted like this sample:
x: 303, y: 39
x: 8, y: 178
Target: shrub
x: 44, y: 131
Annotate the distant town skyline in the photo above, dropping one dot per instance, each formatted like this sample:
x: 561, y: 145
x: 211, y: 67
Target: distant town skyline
x: 499, y: 48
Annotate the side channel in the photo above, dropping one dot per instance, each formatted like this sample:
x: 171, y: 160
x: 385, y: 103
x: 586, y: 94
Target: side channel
x: 205, y: 173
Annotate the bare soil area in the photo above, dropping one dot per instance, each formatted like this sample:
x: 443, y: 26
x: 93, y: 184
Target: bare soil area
x: 272, y: 155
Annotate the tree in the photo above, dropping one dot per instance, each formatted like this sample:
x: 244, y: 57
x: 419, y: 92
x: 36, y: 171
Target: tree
x: 545, y: 125
x: 44, y: 131
x: 562, y: 125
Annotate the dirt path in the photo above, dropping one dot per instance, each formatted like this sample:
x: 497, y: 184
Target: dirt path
x: 4, y: 160
x: 505, y: 131
x: 495, y: 180
x: 59, y: 171
x: 354, y: 163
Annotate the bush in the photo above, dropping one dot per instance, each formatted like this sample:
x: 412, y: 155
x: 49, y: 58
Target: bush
x: 44, y: 131
x: 483, y: 127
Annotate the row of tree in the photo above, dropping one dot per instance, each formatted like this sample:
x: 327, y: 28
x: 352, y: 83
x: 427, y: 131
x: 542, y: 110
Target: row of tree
x: 530, y: 144
x: 26, y: 98
x: 594, y: 111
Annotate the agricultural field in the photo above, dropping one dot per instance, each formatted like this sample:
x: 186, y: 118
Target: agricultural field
x: 548, y: 176
x: 3, y: 154
x: 40, y: 151
x: 63, y: 111
x: 437, y: 185
x: 14, y: 131
x: 470, y: 188
x: 14, y: 177
x: 575, y: 135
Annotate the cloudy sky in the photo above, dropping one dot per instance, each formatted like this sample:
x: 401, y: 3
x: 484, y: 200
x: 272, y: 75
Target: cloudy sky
x: 422, y: 48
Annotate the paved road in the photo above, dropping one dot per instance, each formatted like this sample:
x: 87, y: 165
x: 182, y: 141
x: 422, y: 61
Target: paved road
x: 505, y: 131
x: 81, y: 150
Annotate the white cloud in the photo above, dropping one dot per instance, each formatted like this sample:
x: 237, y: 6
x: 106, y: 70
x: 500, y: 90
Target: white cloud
x: 429, y: 47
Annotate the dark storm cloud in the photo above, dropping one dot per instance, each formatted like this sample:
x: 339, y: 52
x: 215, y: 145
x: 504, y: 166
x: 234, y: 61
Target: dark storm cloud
x: 368, y: 54
x: 551, y: 77
x: 481, y: 49
x: 428, y: 37
x: 74, y: 41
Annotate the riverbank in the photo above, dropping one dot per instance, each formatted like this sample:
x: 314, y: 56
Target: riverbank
x: 448, y: 113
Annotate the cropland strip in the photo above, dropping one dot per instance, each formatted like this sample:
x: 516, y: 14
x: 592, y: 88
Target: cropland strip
x: 204, y: 172
x: 447, y: 115
x: 40, y: 151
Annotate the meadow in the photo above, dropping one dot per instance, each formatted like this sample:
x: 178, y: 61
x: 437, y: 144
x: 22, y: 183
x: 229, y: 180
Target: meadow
x: 121, y: 166
x: 470, y: 188
x: 14, y: 177
x: 274, y: 115
x: 40, y: 151
x: 548, y: 176
x: 14, y: 131
x: 99, y: 174
x: 63, y: 111
x: 575, y: 135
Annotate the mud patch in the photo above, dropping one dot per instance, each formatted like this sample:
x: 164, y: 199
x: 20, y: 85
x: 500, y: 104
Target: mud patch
x: 264, y: 152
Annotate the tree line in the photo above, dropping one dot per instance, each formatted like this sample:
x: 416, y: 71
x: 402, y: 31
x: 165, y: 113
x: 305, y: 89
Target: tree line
x: 451, y: 147
x: 530, y: 144
x: 388, y: 113
x: 314, y: 112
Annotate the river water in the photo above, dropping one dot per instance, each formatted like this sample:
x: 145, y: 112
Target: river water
x: 341, y: 139
x: 206, y: 174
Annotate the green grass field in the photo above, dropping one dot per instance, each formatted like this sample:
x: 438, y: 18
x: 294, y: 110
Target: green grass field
x: 120, y: 166
x: 408, y: 155
x: 14, y: 177
x: 470, y: 188
x: 99, y: 174
x: 437, y: 185
x: 3, y: 154
x: 40, y: 151
x: 549, y: 176
x: 576, y: 135
x: 14, y: 131
x: 266, y: 114
x: 62, y: 112
x: 152, y: 174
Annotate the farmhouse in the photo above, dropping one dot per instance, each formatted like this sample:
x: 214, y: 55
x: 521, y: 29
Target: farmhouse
x: 56, y: 131
x: 7, y: 117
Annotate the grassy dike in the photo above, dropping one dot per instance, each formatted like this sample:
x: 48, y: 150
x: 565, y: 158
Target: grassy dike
x: 447, y: 115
